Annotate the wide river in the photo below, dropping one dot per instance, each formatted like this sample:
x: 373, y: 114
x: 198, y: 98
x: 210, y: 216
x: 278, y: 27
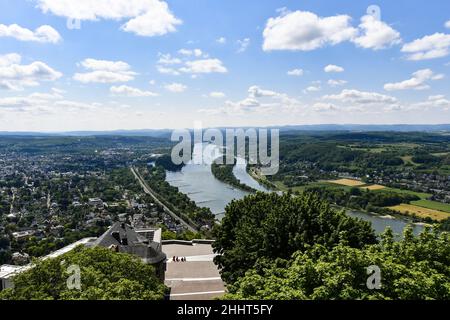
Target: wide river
x: 197, y: 181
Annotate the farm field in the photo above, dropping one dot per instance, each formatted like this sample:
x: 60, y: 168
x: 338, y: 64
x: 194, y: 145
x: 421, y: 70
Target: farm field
x: 421, y: 195
x: 421, y: 212
x: 348, y: 182
x: 374, y: 187
x: 432, y: 205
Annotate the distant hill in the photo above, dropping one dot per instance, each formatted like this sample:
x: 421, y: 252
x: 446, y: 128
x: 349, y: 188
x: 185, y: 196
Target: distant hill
x: 165, y: 133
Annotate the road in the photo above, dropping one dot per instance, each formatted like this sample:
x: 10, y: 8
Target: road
x: 154, y: 195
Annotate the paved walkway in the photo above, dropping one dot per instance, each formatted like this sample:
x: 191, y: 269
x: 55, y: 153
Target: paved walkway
x: 196, y: 279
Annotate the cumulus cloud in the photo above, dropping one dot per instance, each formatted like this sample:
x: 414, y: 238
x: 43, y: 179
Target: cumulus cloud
x: 15, y: 76
x: 175, y: 87
x: 104, y: 71
x: 312, y: 89
x: 433, y: 102
x: 305, y: 31
x: 336, y: 83
x: 42, y: 34
x: 145, y: 17
x: 204, y: 66
x: 257, y: 100
x: 324, y: 107
x: 167, y: 59
x: 183, y: 63
x: 417, y: 82
x: 447, y: 24
x: 333, y: 68
x: 128, y: 91
x: 360, y: 100
x: 39, y: 103
x: 429, y: 47
x: 217, y: 94
x: 376, y: 34
x: 295, y: 72
x: 189, y: 52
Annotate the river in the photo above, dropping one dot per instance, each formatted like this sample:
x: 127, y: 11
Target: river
x: 198, y: 182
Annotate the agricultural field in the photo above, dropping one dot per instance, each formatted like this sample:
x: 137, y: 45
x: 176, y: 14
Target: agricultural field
x: 373, y: 187
x: 348, y: 182
x: 432, y: 205
x: 421, y: 195
x: 413, y: 210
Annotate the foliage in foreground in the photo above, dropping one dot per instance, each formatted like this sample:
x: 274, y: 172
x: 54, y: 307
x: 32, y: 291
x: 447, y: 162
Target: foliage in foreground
x: 272, y: 226
x: 105, y: 275
x: 414, y: 268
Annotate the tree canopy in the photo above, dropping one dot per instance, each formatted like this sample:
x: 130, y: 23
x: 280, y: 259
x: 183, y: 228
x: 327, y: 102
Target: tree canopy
x: 273, y: 226
x: 105, y: 275
x: 413, y: 268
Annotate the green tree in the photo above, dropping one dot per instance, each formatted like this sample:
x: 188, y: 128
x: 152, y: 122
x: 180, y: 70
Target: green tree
x: 273, y: 226
x: 105, y: 275
x: 411, y: 269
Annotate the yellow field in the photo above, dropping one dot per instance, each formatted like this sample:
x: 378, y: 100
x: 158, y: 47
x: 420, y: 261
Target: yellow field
x: 374, y: 187
x: 348, y: 182
x: 410, y: 209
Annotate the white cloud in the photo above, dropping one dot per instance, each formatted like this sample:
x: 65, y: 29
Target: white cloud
x: 217, y: 94
x: 131, y: 92
x: 188, y: 52
x: 169, y: 71
x: 324, y: 107
x: 333, y: 68
x: 146, y: 17
x: 9, y: 59
x: 429, y: 47
x: 434, y: 102
x: 295, y: 72
x: 204, y: 66
x: 243, y: 45
x: 167, y: 59
x: 335, y: 83
x: 39, y: 103
x: 360, y: 99
x: 42, y: 34
x: 221, y: 40
x: 376, y: 34
x: 104, y: 71
x: 15, y: 76
x: 305, y: 31
x: 176, y: 87
x: 183, y: 63
x: 258, y: 100
x: 417, y: 82
x: 447, y: 24
x: 312, y: 89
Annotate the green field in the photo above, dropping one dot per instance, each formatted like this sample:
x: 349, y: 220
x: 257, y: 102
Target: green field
x: 282, y: 187
x: 421, y: 195
x: 432, y: 205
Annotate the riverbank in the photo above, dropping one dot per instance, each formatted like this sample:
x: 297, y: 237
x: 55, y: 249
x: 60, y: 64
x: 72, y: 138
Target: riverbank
x: 224, y: 173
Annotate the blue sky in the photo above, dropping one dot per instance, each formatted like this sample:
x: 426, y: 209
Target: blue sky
x: 137, y: 64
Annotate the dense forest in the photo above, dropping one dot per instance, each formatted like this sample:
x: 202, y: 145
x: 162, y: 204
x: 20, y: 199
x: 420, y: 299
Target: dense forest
x: 284, y: 247
x: 106, y: 275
